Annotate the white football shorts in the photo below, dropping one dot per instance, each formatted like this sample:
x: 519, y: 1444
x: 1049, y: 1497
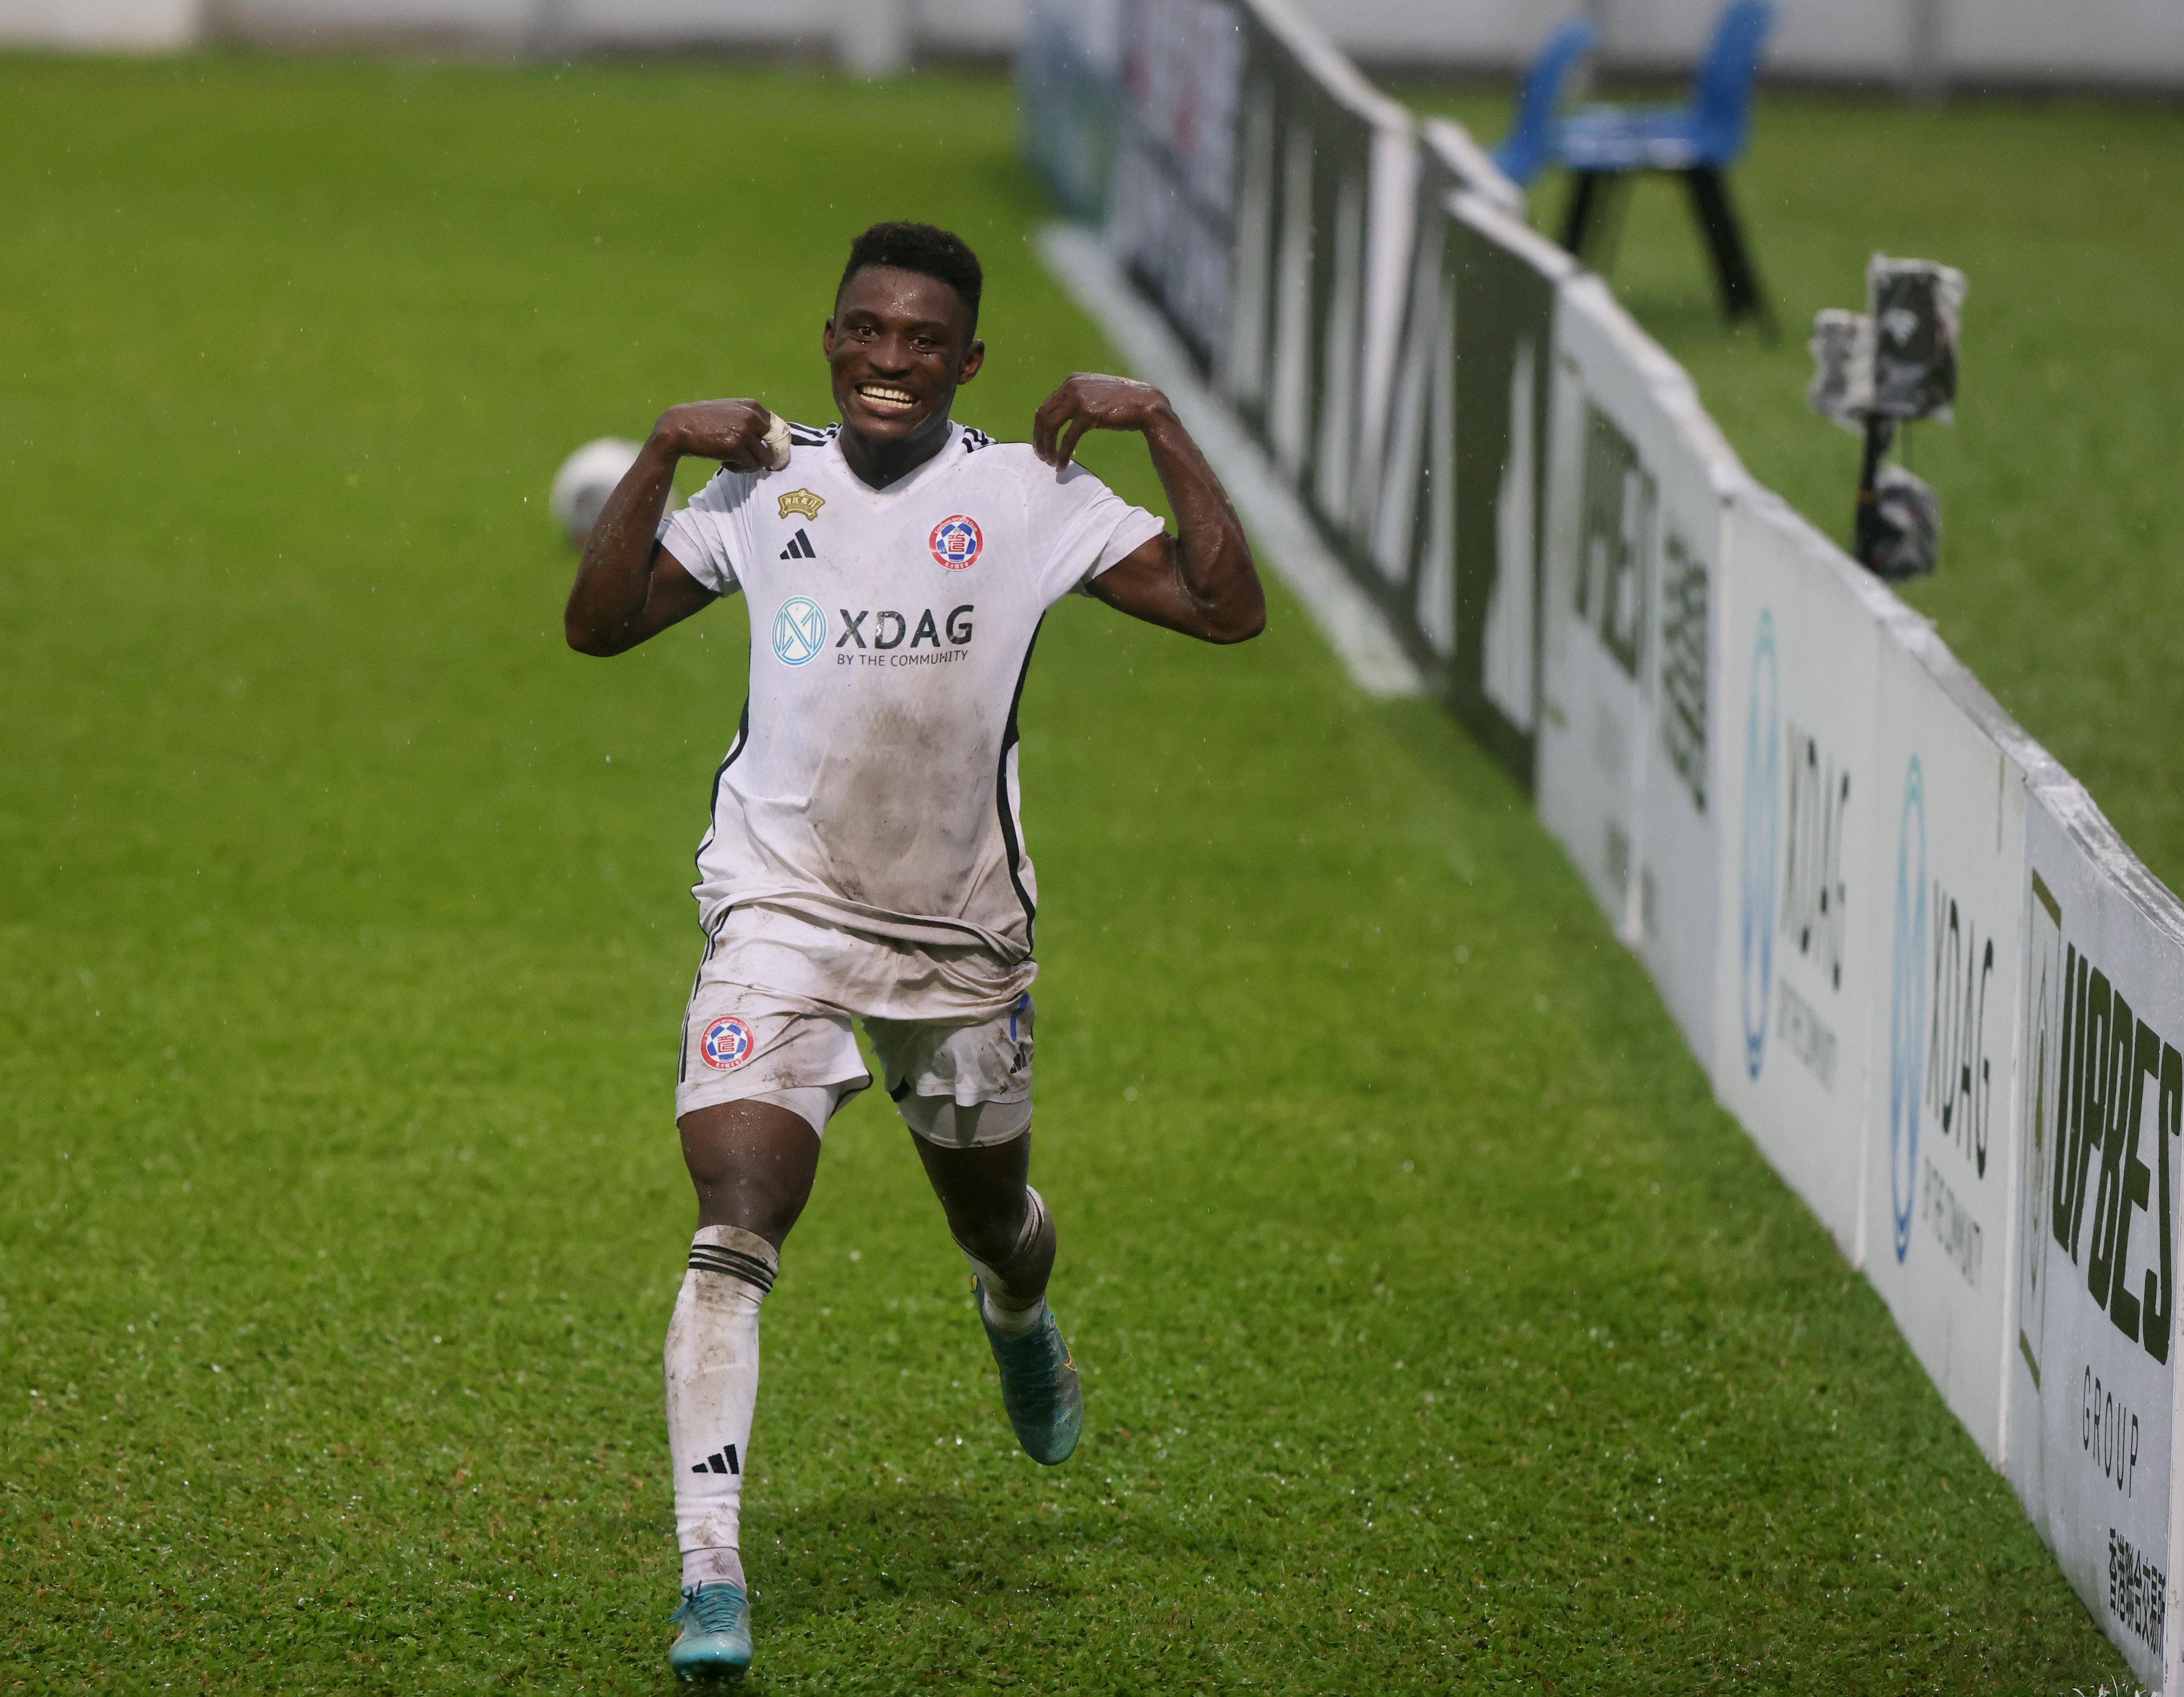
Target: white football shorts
x: 959, y: 1085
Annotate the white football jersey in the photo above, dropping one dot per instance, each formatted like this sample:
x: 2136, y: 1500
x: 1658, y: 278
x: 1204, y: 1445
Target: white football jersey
x: 872, y: 786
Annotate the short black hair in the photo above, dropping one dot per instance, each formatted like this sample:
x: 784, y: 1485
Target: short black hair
x: 920, y: 248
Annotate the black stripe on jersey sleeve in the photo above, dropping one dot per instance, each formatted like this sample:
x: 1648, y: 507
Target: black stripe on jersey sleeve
x: 808, y: 436
x: 1001, y: 790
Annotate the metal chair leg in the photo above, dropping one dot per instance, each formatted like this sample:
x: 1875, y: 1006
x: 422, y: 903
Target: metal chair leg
x: 1577, y: 222
x: 1741, y: 295
x: 1611, y: 213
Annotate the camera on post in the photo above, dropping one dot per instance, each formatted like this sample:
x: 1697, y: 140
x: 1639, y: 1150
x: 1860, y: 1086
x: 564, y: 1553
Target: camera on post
x: 1884, y: 368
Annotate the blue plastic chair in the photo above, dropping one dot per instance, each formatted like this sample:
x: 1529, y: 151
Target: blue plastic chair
x: 1698, y: 142
x: 1530, y: 144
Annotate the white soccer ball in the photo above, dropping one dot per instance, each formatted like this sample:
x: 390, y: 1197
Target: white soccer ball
x: 585, y: 479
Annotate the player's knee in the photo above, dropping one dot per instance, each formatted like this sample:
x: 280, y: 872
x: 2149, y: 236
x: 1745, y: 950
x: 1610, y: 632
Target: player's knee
x: 768, y: 1211
x: 751, y: 1165
x: 990, y: 1234
x: 756, y: 1195
x: 1017, y: 1239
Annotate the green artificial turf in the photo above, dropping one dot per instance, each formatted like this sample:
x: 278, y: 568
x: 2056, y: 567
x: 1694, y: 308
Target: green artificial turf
x: 2062, y: 575
x: 1439, y: 1332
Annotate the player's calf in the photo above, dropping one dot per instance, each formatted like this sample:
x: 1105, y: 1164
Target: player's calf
x: 1012, y: 1260
x: 1039, y: 1388
x: 712, y: 1363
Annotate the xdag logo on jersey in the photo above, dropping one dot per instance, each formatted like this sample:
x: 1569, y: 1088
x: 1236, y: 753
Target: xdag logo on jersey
x: 890, y: 627
x: 802, y: 502
x: 799, y: 547
x: 955, y: 542
x: 799, y: 631
x: 727, y: 1044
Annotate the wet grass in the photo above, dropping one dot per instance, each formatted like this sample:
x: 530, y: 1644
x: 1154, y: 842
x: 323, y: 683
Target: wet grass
x: 1439, y: 1332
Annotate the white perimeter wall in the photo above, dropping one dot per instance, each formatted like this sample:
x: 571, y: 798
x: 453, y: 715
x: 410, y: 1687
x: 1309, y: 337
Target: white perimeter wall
x: 2125, y: 42
x: 102, y: 25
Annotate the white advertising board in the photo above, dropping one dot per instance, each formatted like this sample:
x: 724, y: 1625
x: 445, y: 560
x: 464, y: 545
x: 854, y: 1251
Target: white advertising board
x: 1069, y: 83
x: 1324, y: 167
x: 1627, y: 759
x: 1171, y: 201
x: 1946, y: 924
x: 1800, y: 974
x: 1455, y: 554
x: 2092, y: 1386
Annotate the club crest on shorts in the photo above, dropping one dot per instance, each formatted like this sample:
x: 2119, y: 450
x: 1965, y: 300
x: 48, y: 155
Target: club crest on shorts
x: 955, y: 542
x: 727, y: 1044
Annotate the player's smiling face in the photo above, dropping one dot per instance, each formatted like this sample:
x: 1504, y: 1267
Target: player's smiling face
x: 900, y: 344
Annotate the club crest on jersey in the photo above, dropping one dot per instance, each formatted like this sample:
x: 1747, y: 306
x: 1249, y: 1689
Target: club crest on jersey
x: 727, y: 1044
x: 957, y: 542
x: 799, y: 631
x: 803, y: 502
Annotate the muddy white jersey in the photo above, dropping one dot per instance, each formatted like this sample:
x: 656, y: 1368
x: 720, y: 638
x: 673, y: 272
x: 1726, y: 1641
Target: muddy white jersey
x: 871, y: 786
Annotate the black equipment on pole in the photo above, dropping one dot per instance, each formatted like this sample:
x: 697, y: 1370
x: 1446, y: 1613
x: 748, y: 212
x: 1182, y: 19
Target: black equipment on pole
x: 1877, y: 369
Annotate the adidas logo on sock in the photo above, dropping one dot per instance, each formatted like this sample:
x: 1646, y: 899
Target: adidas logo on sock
x: 720, y: 1461
x: 799, y: 547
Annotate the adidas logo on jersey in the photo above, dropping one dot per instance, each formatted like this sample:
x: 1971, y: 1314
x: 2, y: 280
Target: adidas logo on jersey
x: 720, y: 1461
x: 799, y: 547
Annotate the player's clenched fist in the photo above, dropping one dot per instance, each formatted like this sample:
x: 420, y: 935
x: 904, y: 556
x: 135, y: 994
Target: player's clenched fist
x: 1089, y: 402
x: 742, y: 435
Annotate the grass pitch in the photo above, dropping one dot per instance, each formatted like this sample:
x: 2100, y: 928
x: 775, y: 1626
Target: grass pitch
x: 1440, y: 1333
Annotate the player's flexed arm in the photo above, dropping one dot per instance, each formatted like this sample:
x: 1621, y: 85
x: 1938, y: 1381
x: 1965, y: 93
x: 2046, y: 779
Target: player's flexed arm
x: 1201, y: 581
x: 627, y: 587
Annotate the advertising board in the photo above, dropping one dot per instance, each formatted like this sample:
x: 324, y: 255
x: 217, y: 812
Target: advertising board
x: 2092, y: 1384
x: 1322, y: 174
x: 1801, y: 805
x: 1069, y: 77
x: 1171, y: 202
x: 1945, y: 923
x: 1456, y: 544
x: 1507, y: 280
x: 1628, y: 758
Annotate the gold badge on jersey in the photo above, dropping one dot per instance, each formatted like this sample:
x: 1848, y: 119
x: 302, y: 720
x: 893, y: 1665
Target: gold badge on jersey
x: 803, y: 502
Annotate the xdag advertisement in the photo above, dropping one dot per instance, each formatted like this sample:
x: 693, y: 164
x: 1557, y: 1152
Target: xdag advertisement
x: 1801, y: 807
x: 1946, y: 926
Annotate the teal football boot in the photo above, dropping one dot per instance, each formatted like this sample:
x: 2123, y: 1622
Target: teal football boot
x: 715, y: 1641
x: 1038, y: 1386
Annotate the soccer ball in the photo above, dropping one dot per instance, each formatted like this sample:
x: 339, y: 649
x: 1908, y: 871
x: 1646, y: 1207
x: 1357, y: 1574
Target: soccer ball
x: 585, y: 479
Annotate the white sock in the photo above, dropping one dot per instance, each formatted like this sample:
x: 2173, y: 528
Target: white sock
x: 1009, y: 1309
x: 712, y: 1386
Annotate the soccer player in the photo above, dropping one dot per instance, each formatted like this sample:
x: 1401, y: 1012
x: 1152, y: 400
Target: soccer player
x: 864, y: 859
